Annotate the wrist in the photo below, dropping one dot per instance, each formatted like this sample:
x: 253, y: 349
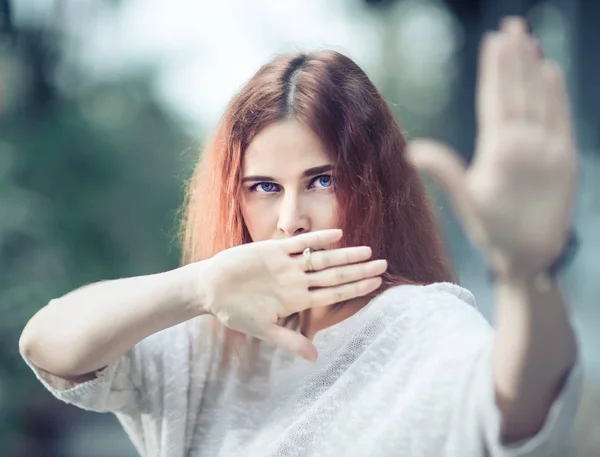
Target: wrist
x: 189, y: 281
x: 541, y: 279
x: 526, y: 283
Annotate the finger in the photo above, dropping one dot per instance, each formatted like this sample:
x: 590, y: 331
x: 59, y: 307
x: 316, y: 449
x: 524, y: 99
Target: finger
x: 321, y: 239
x: 524, y: 91
x: 489, y: 101
x: 532, y: 76
x: 323, y: 259
x: 292, y: 341
x: 441, y: 163
x: 330, y: 295
x: 557, y: 107
x: 513, y: 75
x: 514, y: 24
x: 346, y: 274
x: 539, y: 51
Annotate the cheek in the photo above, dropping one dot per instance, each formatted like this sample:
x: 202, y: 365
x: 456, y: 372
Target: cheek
x: 259, y: 219
x: 323, y: 211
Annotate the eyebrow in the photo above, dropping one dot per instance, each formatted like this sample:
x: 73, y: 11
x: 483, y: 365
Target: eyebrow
x: 305, y: 174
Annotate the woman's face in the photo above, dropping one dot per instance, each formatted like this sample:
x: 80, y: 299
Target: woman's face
x: 287, y: 185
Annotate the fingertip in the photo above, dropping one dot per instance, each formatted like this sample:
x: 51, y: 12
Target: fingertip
x: 293, y: 341
x: 373, y: 284
x: 313, y: 358
x: 336, y: 235
x: 362, y: 252
x: 333, y: 233
x: 514, y: 24
x: 435, y: 159
x: 309, y: 353
x: 380, y: 265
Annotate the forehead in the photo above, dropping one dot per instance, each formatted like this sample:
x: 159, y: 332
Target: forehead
x: 286, y: 147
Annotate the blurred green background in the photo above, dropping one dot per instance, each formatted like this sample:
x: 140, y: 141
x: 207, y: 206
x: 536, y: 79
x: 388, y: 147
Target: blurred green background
x: 104, y: 105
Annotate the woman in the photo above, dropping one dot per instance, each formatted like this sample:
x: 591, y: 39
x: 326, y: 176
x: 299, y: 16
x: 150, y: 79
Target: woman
x: 393, y: 358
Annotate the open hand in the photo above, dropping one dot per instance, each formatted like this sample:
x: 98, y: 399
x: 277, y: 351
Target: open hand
x: 254, y: 285
x: 515, y: 200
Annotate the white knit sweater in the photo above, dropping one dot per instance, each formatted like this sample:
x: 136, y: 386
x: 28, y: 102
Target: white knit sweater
x: 408, y: 375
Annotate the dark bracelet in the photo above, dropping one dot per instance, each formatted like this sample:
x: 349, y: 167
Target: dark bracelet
x: 562, y: 261
x: 566, y: 256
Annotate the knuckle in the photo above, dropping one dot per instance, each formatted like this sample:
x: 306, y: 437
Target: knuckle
x: 307, y: 281
x: 315, y: 263
x: 300, y: 264
x: 361, y: 288
x: 319, y: 240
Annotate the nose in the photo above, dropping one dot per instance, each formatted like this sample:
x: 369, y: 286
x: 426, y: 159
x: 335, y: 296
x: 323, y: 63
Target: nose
x: 293, y: 217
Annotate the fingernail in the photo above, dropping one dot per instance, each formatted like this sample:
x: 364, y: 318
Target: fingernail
x: 514, y: 24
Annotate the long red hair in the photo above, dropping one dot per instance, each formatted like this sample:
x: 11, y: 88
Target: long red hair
x: 382, y: 201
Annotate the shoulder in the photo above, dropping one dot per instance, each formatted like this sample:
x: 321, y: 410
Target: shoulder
x: 435, y: 310
x: 438, y: 297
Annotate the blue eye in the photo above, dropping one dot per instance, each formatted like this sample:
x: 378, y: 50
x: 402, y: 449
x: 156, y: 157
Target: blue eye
x: 323, y: 181
x: 264, y: 187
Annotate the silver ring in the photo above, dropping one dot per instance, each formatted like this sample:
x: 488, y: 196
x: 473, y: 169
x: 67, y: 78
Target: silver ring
x: 307, y: 253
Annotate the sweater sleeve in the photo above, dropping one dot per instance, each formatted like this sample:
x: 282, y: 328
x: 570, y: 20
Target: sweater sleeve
x: 476, y: 418
x: 556, y: 429
x: 132, y: 384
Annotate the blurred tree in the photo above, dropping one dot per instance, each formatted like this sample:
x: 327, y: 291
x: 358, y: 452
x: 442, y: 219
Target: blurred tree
x: 89, y: 190
x: 90, y: 181
x: 379, y: 3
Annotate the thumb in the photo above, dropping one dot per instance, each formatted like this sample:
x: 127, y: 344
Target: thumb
x: 447, y: 169
x: 441, y: 163
x: 292, y: 341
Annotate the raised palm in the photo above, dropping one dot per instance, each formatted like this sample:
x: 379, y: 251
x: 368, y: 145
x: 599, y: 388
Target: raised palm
x: 515, y: 199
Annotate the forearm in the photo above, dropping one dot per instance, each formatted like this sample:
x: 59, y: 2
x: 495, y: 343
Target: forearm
x: 90, y: 327
x: 534, y: 351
